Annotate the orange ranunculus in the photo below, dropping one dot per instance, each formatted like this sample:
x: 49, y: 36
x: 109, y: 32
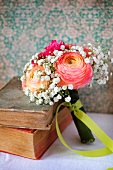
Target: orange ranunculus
x: 73, y: 70
x: 33, y: 83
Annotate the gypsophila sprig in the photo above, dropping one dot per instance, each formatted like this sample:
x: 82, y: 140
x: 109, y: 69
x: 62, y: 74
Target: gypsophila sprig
x: 49, y: 75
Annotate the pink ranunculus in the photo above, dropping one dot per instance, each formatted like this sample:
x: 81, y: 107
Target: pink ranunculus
x: 73, y: 70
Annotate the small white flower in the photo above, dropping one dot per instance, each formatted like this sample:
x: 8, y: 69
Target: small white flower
x: 33, y: 57
x: 48, y: 72
x: 42, y: 78
x: 100, y: 81
x: 40, y: 101
x: 89, y: 44
x: 55, y: 52
x: 111, y: 74
x: 102, y: 55
x: 56, y: 80
x: 26, y: 66
x: 52, y: 85
x: 37, y: 102
x: 70, y: 86
x: 53, y: 60
x: 101, y: 62
x: 77, y: 47
x: 104, y: 67
x: 91, y: 61
x: 39, y: 95
x: 48, y: 57
x: 52, y: 94
x: 35, y: 61
x: 32, y: 98
x: 52, y: 75
x: 40, y: 61
x: 30, y: 67
x: 26, y: 91
x: 59, y: 96
x: 51, y: 103
x: 80, y: 49
x: 55, y: 99
x: 83, y: 53
x: 60, y: 53
x: 89, y: 53
x: 99, y: 48
x: 109, y: 53
x: 87, y: 60
x: 111, y: 60
x: 96, y: 60
x: 64, y: 87
x: 96, y: 52
x: 39, y: 73
x: 36, y: 55
x: 68, y: 99
x: 62, y: 47
x: 99, y: 56
x: 45, y: 96
x: 73, y: 48
x: 56, y: 89
x: 23, y: 78
x: 46, y: 101
x: 47, y: 78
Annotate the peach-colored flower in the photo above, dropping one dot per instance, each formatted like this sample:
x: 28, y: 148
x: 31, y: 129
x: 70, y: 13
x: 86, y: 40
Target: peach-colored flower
x: 33, y: 83
x: 73, y: 70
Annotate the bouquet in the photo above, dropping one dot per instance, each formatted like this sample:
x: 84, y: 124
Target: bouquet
x: 58, y: 72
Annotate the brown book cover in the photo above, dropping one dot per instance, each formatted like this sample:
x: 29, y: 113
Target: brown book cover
x: 17, y: 112
x: 32, y: 143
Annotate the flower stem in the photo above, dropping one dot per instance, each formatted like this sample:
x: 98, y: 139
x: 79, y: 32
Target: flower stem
x: 84, y: 132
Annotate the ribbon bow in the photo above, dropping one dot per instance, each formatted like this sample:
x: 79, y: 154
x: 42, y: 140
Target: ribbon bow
x: 102, y: 136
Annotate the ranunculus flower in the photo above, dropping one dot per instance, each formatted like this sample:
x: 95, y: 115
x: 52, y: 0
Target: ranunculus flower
x: 73, y: 70
x: 33, y: 83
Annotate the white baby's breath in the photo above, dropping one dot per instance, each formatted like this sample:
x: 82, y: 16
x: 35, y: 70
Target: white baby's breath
x: 40, y: 62
x: 50, y: 102
x: 26, y: 91
x: 55, y: 99
x: 70, y: 86
x: 50, y: 93
x: 40, y: 101
x: 23, y: 78
x: 87, y: 60
x: 47, y: 78
x: 68, y: 99
x: 64, y: 87
x: 73, y: 47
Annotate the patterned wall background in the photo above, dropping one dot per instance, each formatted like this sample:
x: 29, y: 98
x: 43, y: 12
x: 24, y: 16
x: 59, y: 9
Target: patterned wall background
x: 27, y: 26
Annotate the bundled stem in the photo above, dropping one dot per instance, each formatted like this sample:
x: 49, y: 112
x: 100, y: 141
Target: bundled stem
x: 84, y: 132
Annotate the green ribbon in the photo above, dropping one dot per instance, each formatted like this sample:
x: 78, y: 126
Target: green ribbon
x: 102, y: 136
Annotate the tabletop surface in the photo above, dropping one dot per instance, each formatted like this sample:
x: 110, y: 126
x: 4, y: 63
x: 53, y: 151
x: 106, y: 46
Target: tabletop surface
x: 57, y: 157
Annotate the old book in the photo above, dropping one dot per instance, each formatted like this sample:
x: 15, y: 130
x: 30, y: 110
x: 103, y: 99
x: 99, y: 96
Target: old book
x: 32, y: 143
x: 16, y: 111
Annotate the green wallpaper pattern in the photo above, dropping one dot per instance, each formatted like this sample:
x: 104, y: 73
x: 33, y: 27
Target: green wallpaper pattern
x: 27, y: 26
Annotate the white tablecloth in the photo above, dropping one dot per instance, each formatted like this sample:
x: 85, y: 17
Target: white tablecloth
x: 57, y: 157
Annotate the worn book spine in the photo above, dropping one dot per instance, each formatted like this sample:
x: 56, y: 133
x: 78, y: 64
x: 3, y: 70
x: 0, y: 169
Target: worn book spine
x: 32, y: 143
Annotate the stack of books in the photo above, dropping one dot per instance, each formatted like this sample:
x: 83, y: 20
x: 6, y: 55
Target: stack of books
x: 27, y: 129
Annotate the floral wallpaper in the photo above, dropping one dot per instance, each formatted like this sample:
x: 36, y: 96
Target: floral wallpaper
x: 27, y: 26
